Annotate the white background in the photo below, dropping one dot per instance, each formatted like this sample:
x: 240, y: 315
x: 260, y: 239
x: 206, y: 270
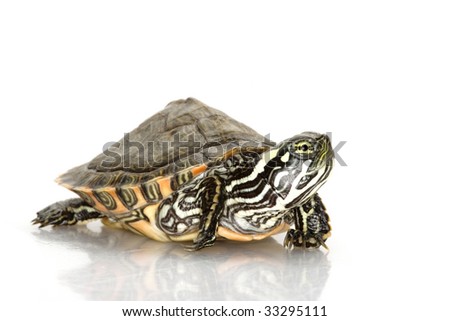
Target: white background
x: 75, y: 75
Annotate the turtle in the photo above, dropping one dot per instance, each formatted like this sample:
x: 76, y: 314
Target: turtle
x: 191, y: 173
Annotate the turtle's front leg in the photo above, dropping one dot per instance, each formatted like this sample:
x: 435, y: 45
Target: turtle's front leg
x: 212, y: 208
x: 312, y: 226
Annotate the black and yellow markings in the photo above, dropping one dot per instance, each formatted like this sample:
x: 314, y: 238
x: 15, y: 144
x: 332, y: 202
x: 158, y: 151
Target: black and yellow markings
x: 133, y: 216
x: 303, y: 147
x: 151, y: 192
x: 86, y: 198
x: 129, y: 179
x: 127, y: 197
x: 179, y: 179
x: 123, y: 198
x: 98, y: 181
x: 243, y: 149
x: 105, y: 199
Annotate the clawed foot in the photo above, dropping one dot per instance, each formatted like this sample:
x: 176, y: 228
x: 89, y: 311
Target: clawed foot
x: 54, y: 214
x: 295, y: 238
x: 201, y: 242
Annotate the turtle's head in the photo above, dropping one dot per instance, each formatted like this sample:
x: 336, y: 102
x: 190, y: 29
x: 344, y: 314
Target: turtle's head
x: 298, y: 167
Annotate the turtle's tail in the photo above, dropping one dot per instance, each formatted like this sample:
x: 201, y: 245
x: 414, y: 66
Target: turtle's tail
x: 68, y: 212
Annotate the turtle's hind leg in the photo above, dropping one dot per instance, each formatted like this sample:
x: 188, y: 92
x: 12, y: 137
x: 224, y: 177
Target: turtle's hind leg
x: 68, y: 212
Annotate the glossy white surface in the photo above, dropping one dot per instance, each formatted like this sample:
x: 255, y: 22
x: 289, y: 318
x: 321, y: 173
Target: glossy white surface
x: 122, y: 266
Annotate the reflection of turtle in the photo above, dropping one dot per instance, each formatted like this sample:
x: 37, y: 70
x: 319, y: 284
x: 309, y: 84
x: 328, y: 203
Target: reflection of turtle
x: 141, y: 270
x: 191, y: 172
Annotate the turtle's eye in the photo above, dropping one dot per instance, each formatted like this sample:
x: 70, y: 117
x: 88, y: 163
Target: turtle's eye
x: 304, y: 147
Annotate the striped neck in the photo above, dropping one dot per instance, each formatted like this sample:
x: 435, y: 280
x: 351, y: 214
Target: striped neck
x: 292, y: 178
x: 284, y: 176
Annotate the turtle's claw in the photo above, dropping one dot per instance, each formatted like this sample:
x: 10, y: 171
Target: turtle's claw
x: 48, y: 216
x: 290, y: 239
x: 201, y: 242
x: 320, y: 241
x: 189, y: 248
x: 54, y: 214
x: 192, y: 248
x: 295, y: 238
x: 68, y: 212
